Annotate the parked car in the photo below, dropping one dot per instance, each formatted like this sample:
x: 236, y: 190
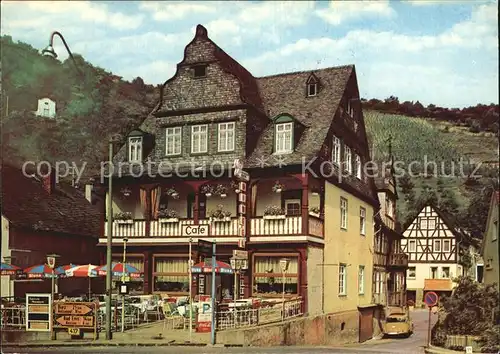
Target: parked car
x: 398, y: 323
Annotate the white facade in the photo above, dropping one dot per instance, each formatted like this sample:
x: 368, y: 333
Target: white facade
x: 46, y: 108
x: 6, y: 285
x: 432, y: 248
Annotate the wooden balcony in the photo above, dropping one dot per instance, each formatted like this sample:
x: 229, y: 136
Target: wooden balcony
x: 259, y: 226
x: 399, y: 260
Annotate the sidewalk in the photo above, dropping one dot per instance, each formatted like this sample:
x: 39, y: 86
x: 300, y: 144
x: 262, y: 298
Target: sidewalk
x: 147, y: 335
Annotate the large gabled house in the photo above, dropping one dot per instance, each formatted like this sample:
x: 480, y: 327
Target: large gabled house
x: 490, y: 249
x: 301, y: 139
x: 41, y: 217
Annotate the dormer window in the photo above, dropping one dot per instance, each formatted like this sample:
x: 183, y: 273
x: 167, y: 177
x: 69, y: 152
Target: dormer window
x: 283, y: 139
x: 312, y: 86
x: 350, y: 108
x: 200, y: 71
x: 135, y: 149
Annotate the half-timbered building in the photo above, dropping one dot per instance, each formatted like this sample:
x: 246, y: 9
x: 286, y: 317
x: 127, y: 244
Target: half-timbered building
x: 432, y: 242
x: 390, y: 263
x: 301, y: 139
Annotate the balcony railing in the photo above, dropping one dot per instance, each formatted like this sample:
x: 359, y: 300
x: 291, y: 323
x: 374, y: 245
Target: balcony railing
x: 259, y: 226
x: 290, y: 225
x: 134, y: 228
x: 398, y: 260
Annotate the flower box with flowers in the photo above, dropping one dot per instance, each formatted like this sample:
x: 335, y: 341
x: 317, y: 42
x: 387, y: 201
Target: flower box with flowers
x: 314, y: 211
x: 273, y: 212
x: 278, y: 187
x: 172, y: 192
x: 220, y: 215
x: 123, y: 218
x: 208, y: 190
x: 168, y: 216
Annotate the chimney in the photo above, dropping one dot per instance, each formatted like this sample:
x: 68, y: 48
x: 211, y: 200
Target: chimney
x: 49, y: 179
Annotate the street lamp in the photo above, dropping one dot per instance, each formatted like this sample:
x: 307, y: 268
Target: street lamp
x: 51, y: 262
x: 49, y: 50
x: 284, y: 262
x: 123, y: 281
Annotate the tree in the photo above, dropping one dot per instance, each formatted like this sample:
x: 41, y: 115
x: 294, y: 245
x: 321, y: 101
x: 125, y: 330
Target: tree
x: 448, y: 202
x: 472, y: 309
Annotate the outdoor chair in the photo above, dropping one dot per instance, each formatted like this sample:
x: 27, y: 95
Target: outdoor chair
x: 171, y: 318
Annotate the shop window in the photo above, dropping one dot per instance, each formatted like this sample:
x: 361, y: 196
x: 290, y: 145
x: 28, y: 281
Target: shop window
x: 171, y: 274
x: 268, y: 276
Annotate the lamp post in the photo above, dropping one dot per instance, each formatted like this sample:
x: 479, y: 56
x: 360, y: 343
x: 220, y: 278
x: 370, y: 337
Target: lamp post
x: 284, y: 266
x: 51, y: 262
x: 190, y: 291
x: 49, y: 50
x: 109, y: 243
x: 236, y: 264
x: 123, y: 281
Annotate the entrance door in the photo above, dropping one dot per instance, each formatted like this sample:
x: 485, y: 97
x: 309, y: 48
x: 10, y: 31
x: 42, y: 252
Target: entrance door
x: 365, y: 324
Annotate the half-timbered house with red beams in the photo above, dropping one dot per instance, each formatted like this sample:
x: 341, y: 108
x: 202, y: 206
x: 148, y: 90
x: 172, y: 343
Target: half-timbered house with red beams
x: 295, y: 135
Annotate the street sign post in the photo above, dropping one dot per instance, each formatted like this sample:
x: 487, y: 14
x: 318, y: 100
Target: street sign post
x: 75, y: 316
x: 39, y: 312
x: 431, y: 299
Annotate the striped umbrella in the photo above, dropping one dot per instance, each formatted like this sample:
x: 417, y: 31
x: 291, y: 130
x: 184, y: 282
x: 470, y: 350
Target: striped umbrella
x: 40, y: 271
x: 61, y: 270
x: 9, y: 269
x: 117, y: 270
x: 82, y: 271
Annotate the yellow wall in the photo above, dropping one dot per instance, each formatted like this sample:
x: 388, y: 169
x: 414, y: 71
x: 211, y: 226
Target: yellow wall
x: 349, y: 247
x: 490, y: 251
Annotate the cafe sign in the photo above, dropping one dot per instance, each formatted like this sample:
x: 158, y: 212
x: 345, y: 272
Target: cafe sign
x: 38, y: 312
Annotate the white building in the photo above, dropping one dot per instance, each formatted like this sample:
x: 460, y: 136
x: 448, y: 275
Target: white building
x: 46, y: 108
x: 432, y: 243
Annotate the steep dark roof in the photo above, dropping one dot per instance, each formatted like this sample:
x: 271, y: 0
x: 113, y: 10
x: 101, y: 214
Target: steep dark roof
x: 285, y: 93
x: 25, y: 203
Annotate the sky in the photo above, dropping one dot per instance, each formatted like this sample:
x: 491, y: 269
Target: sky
x: 440, y: 52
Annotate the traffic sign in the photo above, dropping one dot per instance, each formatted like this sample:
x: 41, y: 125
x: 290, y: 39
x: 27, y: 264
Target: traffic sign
x: 205, y: 247
x: 240, y: 254
x: 76, y: 321
x: 39, y: 312
x: 72, y: 309
x: 431, y: 298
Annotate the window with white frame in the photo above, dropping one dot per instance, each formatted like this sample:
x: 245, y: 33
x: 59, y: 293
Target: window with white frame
x: 412, y: 245
x: 199, y: 140
x: 293, y: 207
x: 312, y: 89
x: 495, y: 231
x: 336, y: 146
x: 412, y: 272
x: 226, y: 136
x: 173, y: 141
x: 446, y: 245
x: 361, y: 280
x: 437, y: 245
x: 362, y: 221
x: 357, y: 166
x: 431, y: 224
x: 135, y: 149
x: 348, y: 159
x: 342, y: 279
x: 350, y: 108
x: 343, y: 213
x: 445, y: 274
x: 283, y: 137
x: 423, y: 224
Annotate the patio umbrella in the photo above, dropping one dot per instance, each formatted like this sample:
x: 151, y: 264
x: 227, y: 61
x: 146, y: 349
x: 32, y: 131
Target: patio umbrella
x: 220, y: 267
x: 83, y: 271
x: 9, y: 269
x: 118, y: 270
x: 40, y: 271
x: 61, y: 270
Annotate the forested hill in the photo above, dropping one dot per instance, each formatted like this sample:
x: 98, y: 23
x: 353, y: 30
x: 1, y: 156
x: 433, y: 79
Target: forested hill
x: 90, y: 106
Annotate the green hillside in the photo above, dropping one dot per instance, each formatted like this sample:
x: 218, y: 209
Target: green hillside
x: 414, y: 139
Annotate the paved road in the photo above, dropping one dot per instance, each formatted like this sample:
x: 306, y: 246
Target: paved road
x: 412, y: 345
